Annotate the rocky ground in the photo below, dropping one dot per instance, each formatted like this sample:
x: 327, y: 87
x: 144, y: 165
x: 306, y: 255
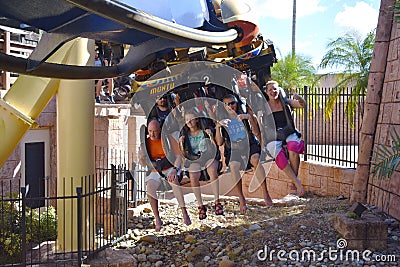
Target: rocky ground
x: 293, y: 225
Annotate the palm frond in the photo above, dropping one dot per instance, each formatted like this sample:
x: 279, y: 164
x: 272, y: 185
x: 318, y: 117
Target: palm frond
x: 387, y: 160
x: 396, y: 10
x: 345, y: 79
x: 353, y: 102
x: 353, y: 55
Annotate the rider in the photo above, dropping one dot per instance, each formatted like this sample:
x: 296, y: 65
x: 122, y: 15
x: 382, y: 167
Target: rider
x: 238, y: 127
x: 161, y: 168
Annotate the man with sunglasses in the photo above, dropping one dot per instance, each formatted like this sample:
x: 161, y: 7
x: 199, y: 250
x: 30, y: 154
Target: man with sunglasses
x: 161, y: 109
x: 239, y: 130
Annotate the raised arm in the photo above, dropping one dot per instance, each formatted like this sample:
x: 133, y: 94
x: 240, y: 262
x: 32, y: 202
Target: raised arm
x: 255, y: 127
x: 219, y: 140
x: 251, y: 117
x: 297, y: 101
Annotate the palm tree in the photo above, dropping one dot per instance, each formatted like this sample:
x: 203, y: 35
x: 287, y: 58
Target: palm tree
x: 294, y: 29
x: 294, y: 71
x: 354, y: 55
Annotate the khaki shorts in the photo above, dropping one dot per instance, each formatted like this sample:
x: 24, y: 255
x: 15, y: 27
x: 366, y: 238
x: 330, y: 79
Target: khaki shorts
x: 156, y: 176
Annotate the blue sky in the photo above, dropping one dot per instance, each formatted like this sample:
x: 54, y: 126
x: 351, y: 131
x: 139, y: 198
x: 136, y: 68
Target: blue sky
x: 318, y: 23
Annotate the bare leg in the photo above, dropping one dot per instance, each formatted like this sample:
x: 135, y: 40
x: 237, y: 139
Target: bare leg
x: 98, y: 89
x: 111, y: 90
x: 195, y: 182
x: 110, y: 86
x: 294, y: 160
x: 212, y: 172
x: 152, y: 186
x: 181, y: 201
x: 235, y: 171
x: 260, y: 174
x: 290, y: 173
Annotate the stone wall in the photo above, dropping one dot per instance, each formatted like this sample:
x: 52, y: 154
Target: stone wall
x: 320, y: 179
x: 386, y: 193
x: 117, y: 131
x: 382, y: 112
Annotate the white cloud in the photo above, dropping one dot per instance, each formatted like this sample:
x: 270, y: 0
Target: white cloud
x: 362, y: 17
x: 283, y: 9
x: 302, y: 45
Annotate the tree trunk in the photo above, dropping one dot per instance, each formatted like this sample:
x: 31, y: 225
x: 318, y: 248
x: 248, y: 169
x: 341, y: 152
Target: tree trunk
x: 294, y: 29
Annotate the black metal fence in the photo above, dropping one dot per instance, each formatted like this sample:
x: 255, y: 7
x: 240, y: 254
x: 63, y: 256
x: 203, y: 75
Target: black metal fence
x: 137, y: 185
x: 78, y: 218
x: 331, y: 141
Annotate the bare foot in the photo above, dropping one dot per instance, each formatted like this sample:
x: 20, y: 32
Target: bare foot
x: 300, y: 191
x: 268, y: 201
x: 243, y: 207
x: 158, y: 225
x: 293, y: 189
x: 186, y: 220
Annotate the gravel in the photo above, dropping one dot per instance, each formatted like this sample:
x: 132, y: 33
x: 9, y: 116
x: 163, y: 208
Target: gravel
x: 293, y: 225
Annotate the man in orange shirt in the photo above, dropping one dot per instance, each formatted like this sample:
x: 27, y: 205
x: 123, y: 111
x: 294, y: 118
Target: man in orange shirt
x: 163, y: 169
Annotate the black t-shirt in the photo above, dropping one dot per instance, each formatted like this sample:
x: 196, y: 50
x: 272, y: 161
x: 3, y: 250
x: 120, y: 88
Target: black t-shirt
x: 280, y: 119
x: 162, y: 114
x: 159, y: 114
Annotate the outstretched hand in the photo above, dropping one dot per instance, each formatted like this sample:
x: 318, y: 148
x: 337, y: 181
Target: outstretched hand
x: 172, y: 176
x: 224, y: 122
x: 243, y: 117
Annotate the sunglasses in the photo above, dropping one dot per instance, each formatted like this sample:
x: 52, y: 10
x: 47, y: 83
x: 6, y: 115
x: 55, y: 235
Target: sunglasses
x: 230, y: 103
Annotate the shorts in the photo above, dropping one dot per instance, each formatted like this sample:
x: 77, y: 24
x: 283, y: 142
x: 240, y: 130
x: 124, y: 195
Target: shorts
x: 154, y: 175
x: 205, y: 158
x: 274, y: 147
x: 254, y: 148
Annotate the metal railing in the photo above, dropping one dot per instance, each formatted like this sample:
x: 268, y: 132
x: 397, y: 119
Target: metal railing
x: 88, y: 215
x: 137, y: 185
x: 331, y: 141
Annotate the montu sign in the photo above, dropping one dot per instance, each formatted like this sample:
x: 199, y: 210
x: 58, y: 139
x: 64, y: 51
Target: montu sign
x: 156, y: 86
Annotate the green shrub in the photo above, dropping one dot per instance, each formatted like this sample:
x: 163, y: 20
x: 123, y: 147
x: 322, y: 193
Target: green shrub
x: 43, y: 226
x: 40, y: 226
x: 10, y: 223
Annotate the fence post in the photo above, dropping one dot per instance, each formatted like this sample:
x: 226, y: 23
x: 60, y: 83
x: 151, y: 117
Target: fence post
x: 23, y: 226
x: 79, y: 205
x: 113, y: 204
x: 305, y: 120
x: 125, y: 199
x: 134, y: 185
